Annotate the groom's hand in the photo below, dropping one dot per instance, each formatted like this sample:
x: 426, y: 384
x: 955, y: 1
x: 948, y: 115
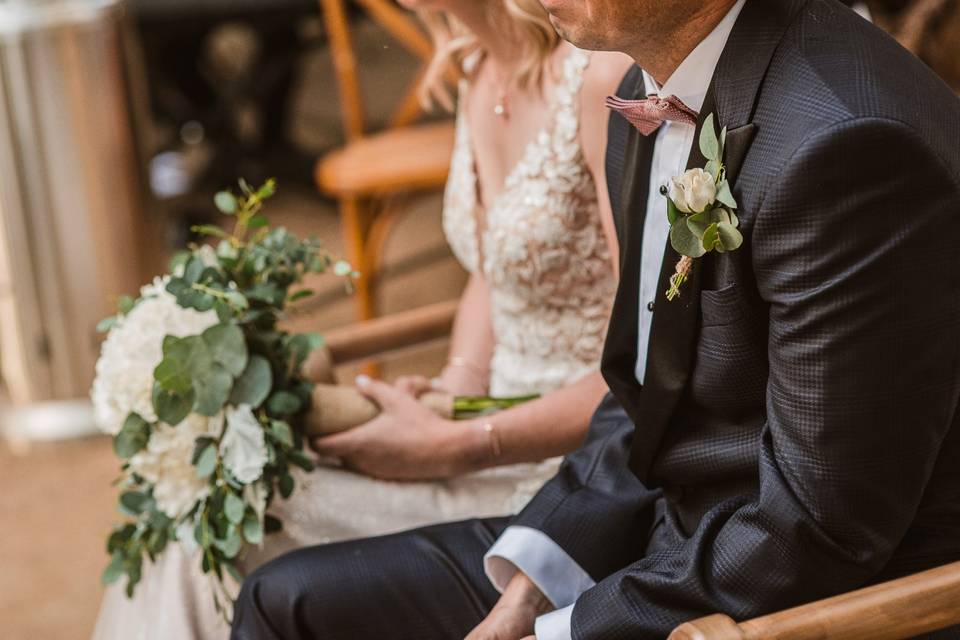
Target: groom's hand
x: 515, y: 613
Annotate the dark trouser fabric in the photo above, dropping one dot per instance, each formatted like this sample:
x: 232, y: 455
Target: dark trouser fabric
x: 424, y: 584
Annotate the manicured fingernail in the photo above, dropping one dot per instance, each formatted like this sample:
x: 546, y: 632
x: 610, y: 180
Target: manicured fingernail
x: 362, y: 380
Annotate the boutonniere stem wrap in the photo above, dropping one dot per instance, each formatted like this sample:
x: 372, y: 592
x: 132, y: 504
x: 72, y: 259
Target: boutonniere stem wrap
x: 701, y: 209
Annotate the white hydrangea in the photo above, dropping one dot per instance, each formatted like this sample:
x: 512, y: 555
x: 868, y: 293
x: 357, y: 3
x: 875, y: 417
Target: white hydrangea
x: 166, y: 463
x: 133, y: 349
x: 243, y: 447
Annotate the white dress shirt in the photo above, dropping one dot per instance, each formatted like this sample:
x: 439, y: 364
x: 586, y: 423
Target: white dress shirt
x: 557, y: 575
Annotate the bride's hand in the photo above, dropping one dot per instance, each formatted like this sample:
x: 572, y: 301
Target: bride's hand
x: 415, y: 386
x: 406, y: 441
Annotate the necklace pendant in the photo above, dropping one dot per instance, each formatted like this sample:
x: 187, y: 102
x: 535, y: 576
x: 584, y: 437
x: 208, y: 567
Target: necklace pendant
x: 500, y: 110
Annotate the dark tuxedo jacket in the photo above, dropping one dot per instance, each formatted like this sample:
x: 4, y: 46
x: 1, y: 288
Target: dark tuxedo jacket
x: 797, y: 433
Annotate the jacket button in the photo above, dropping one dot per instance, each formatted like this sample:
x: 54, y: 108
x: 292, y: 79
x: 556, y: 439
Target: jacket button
x: 650, y: 306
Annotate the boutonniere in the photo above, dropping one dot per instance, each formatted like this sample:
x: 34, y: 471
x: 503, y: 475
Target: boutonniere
x: 701, y: 209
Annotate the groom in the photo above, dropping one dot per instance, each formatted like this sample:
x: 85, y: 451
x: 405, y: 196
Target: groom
x: 796, y: 408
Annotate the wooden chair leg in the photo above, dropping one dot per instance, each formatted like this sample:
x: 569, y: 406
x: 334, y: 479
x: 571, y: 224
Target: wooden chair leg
x: 355, y: 225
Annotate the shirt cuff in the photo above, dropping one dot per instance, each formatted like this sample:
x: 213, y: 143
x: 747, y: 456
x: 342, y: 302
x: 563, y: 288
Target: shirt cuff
x: 525, y: 549
x: 555, y: 625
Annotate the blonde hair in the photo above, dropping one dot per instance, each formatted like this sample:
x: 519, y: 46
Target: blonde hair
x: 454, y: 45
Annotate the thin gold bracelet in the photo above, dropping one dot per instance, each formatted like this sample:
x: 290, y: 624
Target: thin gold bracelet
x: 462, y: 363
x: 493, y: 435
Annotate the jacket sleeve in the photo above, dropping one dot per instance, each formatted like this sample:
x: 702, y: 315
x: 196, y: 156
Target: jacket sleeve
x: 855, y: 253
x: 595, y: 497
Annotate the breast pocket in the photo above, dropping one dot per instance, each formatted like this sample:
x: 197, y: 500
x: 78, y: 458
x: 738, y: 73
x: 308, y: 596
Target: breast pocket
x: 721, y: 307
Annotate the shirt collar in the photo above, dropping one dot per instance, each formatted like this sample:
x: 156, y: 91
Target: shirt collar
x: 691, y: 81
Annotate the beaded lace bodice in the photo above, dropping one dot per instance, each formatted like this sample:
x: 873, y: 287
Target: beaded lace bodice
x: 545, y: 257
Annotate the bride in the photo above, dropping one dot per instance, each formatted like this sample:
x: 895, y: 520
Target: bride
x: 527, y: 214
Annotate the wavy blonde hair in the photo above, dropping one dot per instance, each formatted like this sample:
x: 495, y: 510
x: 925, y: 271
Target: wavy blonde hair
x: 455, y: 44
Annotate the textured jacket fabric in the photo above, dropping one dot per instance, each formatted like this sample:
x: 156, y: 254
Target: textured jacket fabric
x: 798, y: 425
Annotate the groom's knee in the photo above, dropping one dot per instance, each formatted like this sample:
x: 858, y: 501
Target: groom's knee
x: 272, y: 594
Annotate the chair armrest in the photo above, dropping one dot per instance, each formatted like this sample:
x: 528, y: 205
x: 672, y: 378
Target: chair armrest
x: 380, y: 336
x: 897, y: 609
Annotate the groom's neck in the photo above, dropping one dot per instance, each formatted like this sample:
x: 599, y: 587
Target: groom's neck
x: 662, y: 45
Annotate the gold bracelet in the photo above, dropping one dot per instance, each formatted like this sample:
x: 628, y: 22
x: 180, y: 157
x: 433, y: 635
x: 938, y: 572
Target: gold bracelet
x: 493, y: 435
x: 463, y: 363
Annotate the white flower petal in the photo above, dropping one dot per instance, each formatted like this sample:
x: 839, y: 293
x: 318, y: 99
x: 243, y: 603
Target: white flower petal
x: 243, y: 447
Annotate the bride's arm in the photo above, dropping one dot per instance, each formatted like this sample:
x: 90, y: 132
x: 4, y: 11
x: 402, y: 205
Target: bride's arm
x: 471, y: 342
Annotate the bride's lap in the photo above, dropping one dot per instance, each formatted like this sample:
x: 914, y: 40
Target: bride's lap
x: 174, y: 598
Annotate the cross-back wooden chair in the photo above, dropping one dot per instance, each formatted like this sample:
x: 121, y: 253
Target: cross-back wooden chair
x: 374, y: 172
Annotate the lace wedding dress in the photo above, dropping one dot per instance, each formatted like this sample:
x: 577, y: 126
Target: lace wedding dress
x: 547, y: 266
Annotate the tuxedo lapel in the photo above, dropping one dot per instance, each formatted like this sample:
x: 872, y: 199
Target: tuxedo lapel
x: 674, y: 333
x: 673, y: 336
x: 620, y: 349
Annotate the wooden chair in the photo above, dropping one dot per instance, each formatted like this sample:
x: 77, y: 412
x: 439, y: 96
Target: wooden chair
x: 373, y: 173
x: 902, y: 608
x: 368, y: 339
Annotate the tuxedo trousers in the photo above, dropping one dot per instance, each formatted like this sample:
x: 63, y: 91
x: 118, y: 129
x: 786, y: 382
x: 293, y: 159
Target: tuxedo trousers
x: 423, y: 584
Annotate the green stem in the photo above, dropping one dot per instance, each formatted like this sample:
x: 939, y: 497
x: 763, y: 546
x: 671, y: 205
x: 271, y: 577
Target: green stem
x: 467, y: 407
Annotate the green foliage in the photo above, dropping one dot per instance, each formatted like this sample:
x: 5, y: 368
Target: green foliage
x: 714, y: 229
x: 249, y: 280
x: 133, y: 437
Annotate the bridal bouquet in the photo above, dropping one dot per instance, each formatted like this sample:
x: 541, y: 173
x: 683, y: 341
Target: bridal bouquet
x: 203, y: 395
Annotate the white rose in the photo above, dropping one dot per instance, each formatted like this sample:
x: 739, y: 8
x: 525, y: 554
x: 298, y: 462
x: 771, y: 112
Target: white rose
x: 243, y: 447
x: 694, y: 191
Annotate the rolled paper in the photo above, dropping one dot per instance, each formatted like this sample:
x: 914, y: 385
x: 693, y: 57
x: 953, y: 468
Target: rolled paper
x: 335, y: 409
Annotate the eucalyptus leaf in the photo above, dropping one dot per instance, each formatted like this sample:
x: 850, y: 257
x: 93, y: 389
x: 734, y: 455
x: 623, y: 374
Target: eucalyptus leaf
x: 254, y: 384
x: 709, y: 144
x: 282, y: 432
x: 684, y: 241
x: 711, y: 238
x: 212, y: 390
x: 115, y: 570
x: 209, y: 230
x: 238, y: 300
x: 227, y: 346
x: 207, y: 461
x: 233, y: 508
x: 284, y: 403
x: 725, y: 196
x: 729, y: 236
x: 107, y: 323
x: 713, y: 168
x: 672, y: 211
x: 193, y: 270
x: 170, y: 406
x: 252, y: 528
x: 226, y: 202
x: 231, y: 546
x: 135, y: 502
x: 132, y: 438
x: 286, y: 485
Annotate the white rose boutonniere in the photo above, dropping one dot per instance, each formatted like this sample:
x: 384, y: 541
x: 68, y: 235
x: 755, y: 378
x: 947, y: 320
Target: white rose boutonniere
x: 701, y: 208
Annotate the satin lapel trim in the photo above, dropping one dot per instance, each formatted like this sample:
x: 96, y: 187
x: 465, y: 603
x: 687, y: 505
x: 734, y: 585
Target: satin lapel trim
x: 620, y: 349
x: 673, y: 337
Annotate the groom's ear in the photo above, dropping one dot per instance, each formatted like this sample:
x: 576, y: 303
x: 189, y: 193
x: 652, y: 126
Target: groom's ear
x: 735, y: 149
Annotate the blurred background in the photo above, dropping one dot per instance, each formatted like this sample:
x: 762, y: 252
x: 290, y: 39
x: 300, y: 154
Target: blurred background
x: 119, y: 120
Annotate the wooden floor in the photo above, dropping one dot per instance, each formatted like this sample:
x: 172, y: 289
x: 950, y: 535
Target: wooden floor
x: 56, y: 502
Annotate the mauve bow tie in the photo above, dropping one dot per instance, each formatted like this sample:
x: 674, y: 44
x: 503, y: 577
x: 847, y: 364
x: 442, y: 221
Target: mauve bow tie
x: 647, y: 115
